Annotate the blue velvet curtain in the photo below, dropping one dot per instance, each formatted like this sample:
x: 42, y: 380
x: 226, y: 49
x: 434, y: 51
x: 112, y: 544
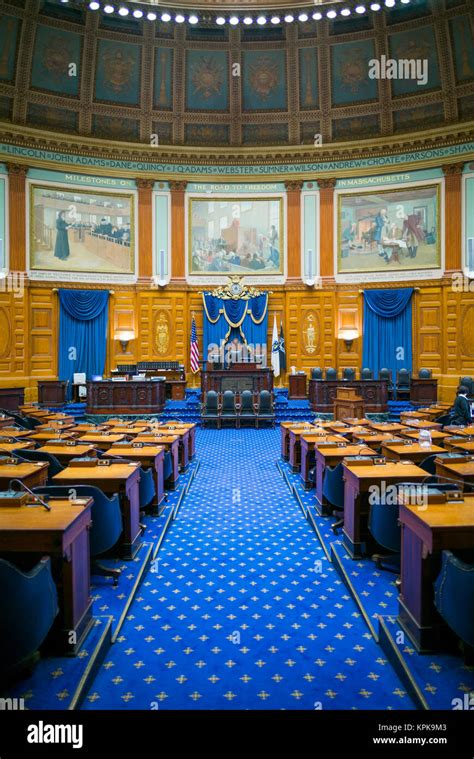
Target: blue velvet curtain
x: 82, y: 332
x: 387, y: 330
x: 226, y: 319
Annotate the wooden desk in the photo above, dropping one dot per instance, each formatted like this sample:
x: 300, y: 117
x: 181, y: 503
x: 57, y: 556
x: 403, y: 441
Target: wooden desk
x: 348, y: 403
x: 62, y: 534
x: 238, y: 377
x: 52, y: 392
x: 294, y: 444
x: 460, y: 443
x: 374, y: 393
x: 52, y: 425
x: 152, y: 456
x: 374, y: 440
x: 436, y: 435
x: 6, y: 421
x: 461, y: 471
x: 115, y: 478
x: 297, y: 386
x: 357, y: 481
x: 308, y: 444
x: 423, y: 424
x: 425, y: 533
x: 15, y: 432
x: 387, y: 427
x: 432, y: 412
x: 171, y: 444
x: 132, y: 396
x: 331, y: 457
x: 423, y: 391
x: 32, y: 473
x: 285, y: 428
x: 128, y: 430
x: 16, y: 445
x: 183, y: 437
x: 52, y: 435
x: 64, y: 453
x: 414, y: 451
x: 12, y: 397
x: 101, y: 440
x: 183, y: 426
x: 467, y: 431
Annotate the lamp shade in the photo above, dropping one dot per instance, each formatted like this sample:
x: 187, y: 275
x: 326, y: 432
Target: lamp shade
x: 348, y: 334
x: 124, y: 335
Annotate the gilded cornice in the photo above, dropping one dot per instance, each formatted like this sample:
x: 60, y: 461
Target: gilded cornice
x: 442, y: 137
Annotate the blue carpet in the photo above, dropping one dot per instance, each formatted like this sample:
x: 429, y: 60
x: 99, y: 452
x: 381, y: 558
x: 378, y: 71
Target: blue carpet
x: 244, y: 611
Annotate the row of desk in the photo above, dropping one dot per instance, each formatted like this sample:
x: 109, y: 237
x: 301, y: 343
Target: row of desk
x: 426, y: 531
x: 62, y: 533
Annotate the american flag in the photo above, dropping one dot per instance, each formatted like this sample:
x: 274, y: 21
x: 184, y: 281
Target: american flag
x: 194, y: 348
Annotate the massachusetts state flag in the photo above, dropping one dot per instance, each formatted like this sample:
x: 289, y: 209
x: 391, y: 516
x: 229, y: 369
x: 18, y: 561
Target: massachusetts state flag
x: 194, y: 348
x: 275, y: 349
x: 282, y: 349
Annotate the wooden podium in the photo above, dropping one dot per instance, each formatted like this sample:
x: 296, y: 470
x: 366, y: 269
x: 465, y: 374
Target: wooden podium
x: 297, y: 386
x: 347, y: 404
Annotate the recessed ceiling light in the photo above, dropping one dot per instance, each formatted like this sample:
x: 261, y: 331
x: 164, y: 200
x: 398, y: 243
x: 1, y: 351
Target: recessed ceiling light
x: 94, y: 6
x: 123, y: 11
x: 179, y: 18
x: 138, y: 13
x: 331, y: 14
x: 220, y: 20
x: 234, y: 20
x: 165, y: 17
x: 261, y: 20
x: 193, y: 19
x: 248, y: 20
x: 108, y: 8
x: 375, y: 7
x: 345, y: 12
x: 275, y: 19
x: 289, y: 18
x: 317, y: 16
x: 303, y: 17
x: 151, y: 16
x: 389, y: 3
x: 405, y: 2
x: 360, y: 9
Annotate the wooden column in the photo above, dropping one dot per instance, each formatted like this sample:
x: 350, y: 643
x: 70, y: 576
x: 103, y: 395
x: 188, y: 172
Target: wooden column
x: 145, y: 227
x: 326, y: 226
x: 452, y: 214
x: 17, y: 215
x: 293, y: 196
x: 178, y: 239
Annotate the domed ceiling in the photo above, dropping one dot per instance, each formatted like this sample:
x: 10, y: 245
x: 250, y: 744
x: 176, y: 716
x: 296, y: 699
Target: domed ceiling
x: 68, y: 69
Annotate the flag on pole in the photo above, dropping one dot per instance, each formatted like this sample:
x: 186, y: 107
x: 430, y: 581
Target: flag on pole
x: 194, y: 348
x: 282, y: 350
x: 275, y: 349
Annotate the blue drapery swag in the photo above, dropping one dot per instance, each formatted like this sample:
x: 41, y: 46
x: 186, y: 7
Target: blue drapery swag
x: 387, y: 339
x: 226, y: 319
x: 82, y: 332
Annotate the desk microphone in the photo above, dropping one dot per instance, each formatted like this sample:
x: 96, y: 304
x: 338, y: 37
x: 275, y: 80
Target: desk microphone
x: 461, y: 483
x: 26, y: 488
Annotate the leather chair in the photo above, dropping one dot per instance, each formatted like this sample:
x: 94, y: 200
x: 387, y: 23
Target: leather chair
x: 29, y: 604
x: 385, y: 529
x: 333, y: 492
x: 429, y: 464
x: 317, y: 373
x: 228, y: 408
x: 386, y: 374
x: 403, y: 384
x: 167, y: 466
x: 366, y: 374
x: 146, y: 487
x: 454, y: 599
x: 425, y: 374
x: 247, y: 408
x: 349, y: 374
x: 331, y: 374
x: 54, y: 466
x: 210, y: 408
x: 445, y: 419
x: 106, y: 526
x: 265, y: 410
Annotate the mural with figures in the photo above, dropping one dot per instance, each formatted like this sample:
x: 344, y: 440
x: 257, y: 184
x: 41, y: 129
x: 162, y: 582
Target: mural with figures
x: 389, y: 230
x: 81, y: 231
x: 235, y: 236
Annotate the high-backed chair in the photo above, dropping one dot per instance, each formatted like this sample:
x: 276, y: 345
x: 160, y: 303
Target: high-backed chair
x: 429, y: 464
x: 29, y: 604
x: 349, y: 374
x: 386, y: 374
x: 228, y: 408
x: 403, y: 384
x: 333, y: 492
x: 106, y: 526
x: 384, y: 528
x: 425, y: 374
x: 247, y: 411
x: 54, y: 465
x: 265, y: 410
x: 454, y: 598
x: 366, y: 374
x: 210, y: 408
x: 167, y: 466
x: 331, y: 374
x: 316, y: 373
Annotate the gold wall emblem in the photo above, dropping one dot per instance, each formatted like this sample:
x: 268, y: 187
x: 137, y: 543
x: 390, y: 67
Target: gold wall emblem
x: 162, y: 334
x: 309, y: 334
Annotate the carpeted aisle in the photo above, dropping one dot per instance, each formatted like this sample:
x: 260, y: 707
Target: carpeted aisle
x: 244, y: 610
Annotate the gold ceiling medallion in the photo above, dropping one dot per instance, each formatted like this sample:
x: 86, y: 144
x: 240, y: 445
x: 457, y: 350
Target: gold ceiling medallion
x: 236, y: 290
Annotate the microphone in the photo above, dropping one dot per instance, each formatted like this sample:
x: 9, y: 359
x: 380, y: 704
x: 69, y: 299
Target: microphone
x: 27, y: 489
x: 462, y: 483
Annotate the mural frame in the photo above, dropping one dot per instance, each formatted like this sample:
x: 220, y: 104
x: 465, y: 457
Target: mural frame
x: 251, y: 275
x: 157, y: 269
x: 382, y: 274
x: 82, y: 274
